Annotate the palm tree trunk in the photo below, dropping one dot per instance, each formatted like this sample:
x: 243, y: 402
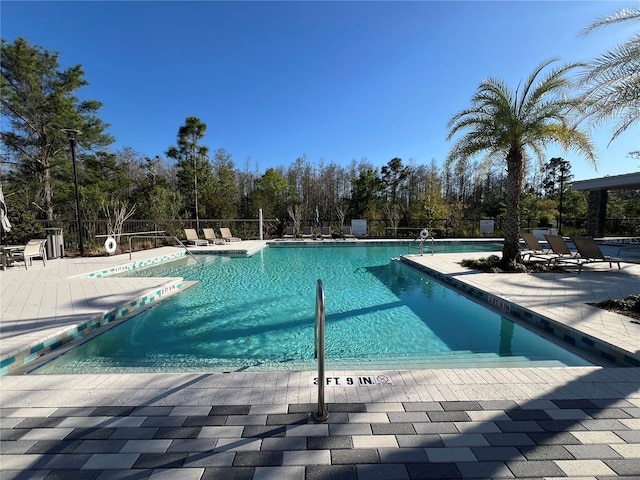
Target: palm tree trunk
x: 515, y: 176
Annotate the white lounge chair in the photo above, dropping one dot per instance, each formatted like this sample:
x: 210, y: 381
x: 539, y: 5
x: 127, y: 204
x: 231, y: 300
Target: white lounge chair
x: 210, y: 236
x: 193, y: 239
x: 326, y: 233
x: 225, y: 233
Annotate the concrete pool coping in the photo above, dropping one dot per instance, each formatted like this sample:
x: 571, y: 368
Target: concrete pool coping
x: 577, y: 422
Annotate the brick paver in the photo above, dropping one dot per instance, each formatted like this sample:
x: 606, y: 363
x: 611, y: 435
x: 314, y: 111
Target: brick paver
x: 249, y: 452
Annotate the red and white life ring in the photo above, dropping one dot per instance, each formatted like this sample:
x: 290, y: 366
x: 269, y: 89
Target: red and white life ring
x: 424, y: 234
x: 110, y: 245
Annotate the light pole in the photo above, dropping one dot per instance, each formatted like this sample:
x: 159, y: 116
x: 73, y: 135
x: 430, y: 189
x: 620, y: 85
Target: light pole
x: 195, y: 188
x: 563, y: 170
x: 71, y: 133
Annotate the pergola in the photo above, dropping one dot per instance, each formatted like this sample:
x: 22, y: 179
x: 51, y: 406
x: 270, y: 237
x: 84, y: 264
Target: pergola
x: 598, y: 189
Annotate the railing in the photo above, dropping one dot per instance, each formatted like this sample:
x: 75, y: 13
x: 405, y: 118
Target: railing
x: 152, y: 235
x: 243, y: 228
x: 160, y: 234
x: 424, y: 235
x: 249, y: 228
x: 321, y: 412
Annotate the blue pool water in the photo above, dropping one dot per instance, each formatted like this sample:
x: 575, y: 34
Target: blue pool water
x: 258, y: 313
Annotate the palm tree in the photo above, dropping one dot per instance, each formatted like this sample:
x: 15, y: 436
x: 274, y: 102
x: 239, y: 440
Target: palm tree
x: 508, y: 125
x: 613, y: 78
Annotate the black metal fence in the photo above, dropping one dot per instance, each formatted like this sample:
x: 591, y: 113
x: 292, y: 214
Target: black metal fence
x: 94, y: 230
x: 250, y: 229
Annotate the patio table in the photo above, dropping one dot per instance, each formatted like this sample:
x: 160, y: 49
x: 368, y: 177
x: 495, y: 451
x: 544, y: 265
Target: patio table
x: 7, y: 252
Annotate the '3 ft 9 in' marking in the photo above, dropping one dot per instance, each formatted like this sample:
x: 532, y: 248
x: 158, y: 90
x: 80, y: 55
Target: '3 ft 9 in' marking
x: 354, y: 381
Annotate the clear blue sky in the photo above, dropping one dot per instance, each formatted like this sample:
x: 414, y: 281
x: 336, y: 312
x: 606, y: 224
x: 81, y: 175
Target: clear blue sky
x: 334, y: 81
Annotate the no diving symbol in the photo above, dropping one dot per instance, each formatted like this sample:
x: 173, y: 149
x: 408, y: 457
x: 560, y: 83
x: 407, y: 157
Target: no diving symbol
x: 383, y: 379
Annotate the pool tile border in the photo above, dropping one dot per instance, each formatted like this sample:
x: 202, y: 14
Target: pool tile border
x: 24, y: 356
x: 581, y: 340
x: 105, y: 272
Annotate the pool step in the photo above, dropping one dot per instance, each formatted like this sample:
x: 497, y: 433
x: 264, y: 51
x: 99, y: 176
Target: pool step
x: 461, y: 359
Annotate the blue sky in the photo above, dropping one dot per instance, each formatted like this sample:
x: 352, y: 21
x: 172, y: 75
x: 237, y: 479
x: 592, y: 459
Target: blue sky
x: 335, y: 81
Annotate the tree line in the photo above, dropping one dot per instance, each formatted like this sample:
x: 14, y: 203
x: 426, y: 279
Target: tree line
x: 192, y: 181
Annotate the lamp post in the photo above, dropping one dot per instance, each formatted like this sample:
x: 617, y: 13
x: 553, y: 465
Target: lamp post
x: 563, y: 170
x: 195, y: 188
x: 71, y: 133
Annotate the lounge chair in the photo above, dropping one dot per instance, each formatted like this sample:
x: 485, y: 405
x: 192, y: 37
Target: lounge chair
x: 326, y: 233
x: 589, y: 252
x: 559, y: 246
x: 307, y: 232
x: 225, y: 233
x: 534, y: 249
x: 193, y: 239
x: 288, y: 233
x: 346, y: 232
x: 210, y: 236
x: 33, y: 249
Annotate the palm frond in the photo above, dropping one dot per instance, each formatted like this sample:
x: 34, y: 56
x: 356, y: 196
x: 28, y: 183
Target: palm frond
x: 624, y: 15
x: 556, y: 85
x: 619, y: 62
x: 612, y: 80
x: 529, y: 84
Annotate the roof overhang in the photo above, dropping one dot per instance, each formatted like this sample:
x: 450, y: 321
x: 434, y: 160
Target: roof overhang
x: 628, y: 181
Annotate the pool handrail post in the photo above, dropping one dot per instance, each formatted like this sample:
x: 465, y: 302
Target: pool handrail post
x: 321, y: 414
x: 156, y: 234
x: 260, y: 224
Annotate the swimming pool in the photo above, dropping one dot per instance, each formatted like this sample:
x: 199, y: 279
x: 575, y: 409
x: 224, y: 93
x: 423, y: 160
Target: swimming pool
x: 257, y: 313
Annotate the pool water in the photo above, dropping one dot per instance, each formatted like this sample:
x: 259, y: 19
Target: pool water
x: 258, y: 313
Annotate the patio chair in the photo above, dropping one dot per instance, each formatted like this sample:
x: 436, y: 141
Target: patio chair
x: 307, y: 232
x: 210, y: 236
x: 225, y: 233
x: 288, y: 233
x: 326, y: 233
x: 589, y: 252
x: 33, y: 249
x: 559, y: 246
x: 193, y: 239
x: 534, y: 249
x: 346, y: 232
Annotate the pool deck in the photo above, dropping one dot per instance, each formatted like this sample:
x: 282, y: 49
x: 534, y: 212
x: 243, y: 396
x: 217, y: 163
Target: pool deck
x: 581, y: 422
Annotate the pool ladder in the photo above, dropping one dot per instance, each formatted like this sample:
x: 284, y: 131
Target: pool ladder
x: 321, y: 412
x: 421, y: 245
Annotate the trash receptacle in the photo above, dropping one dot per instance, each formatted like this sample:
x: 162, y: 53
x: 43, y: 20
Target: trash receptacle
x: 55, y: 243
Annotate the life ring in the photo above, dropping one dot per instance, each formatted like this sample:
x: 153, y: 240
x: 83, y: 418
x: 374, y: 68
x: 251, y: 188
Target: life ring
x: 424, y: 234
x: 110, y: 245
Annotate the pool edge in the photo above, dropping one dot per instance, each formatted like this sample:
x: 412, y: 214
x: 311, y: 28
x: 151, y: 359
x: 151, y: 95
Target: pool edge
x: 581, y: 340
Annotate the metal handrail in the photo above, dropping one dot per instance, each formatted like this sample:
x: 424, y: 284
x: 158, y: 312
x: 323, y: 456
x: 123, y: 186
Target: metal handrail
x: 156, y: 234
x: 321, y: 413
x: 421, y: 246
x: 165, y: 235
